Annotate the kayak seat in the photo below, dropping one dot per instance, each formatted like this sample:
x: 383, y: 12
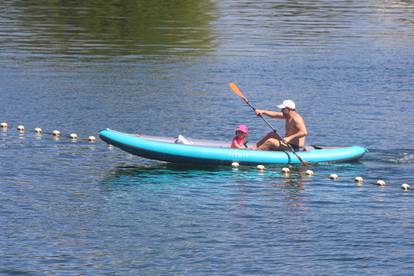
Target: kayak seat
x: 183, y: 140
x: 309, y: 148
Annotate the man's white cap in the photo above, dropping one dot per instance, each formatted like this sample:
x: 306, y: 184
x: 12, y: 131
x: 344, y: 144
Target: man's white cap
x: 287, y: 103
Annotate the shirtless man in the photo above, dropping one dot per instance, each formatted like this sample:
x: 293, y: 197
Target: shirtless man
x: 295, y: 129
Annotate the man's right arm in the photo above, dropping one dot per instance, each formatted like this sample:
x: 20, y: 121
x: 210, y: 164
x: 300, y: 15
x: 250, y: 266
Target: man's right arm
x: 272, y: 114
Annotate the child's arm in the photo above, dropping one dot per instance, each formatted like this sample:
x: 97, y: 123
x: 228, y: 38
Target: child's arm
x: 240, y: 146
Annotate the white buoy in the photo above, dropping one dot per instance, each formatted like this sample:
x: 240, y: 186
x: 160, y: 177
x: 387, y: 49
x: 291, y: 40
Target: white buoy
x: 309, y: 172
x: 4, y: 125
x: 405, y: 186
x: 286, y: 170
x: 333, y: 176
x: 381, y: 183
x: 73, y: 136
x: 38, y: 130
x: 358, y: 179
x: 56, y: 133
x: 260, y: 167
x: 235, y: 164
x: 92, y: 139
x: 20, y: 128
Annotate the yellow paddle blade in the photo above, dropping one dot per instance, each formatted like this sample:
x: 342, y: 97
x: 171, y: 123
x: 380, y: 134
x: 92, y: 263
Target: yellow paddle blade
x: 237, y: 91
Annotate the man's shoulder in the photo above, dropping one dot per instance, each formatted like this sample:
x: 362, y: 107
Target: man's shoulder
x: 298, y: 118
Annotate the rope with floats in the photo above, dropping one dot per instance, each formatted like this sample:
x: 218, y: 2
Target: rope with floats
x: 55, y: 133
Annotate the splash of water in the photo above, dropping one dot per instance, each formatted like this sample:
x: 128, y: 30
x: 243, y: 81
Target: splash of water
x: 403, y: 158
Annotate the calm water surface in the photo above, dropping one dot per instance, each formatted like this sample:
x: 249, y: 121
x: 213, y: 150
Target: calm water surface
x: 162, y: 68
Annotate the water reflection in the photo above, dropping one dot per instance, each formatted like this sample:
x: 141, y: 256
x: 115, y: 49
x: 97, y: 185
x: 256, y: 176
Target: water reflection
x: 316, y: 25
x: 109, y: 27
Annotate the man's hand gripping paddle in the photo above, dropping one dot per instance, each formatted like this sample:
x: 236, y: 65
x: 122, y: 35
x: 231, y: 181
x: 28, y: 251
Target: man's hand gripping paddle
x: 237, y: 91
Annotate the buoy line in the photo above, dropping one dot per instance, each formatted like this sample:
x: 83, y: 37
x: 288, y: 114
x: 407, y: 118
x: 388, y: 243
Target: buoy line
x: 358, y: 180
x: 4, y: 126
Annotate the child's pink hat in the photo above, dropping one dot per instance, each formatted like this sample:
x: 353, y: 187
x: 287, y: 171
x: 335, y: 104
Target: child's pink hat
x: 242, y: 128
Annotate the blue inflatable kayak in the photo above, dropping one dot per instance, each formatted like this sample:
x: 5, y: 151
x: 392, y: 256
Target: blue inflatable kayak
x: 194, y: 151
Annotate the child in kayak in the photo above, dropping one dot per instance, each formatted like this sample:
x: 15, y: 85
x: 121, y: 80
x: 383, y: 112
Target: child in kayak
x: 239, y: 140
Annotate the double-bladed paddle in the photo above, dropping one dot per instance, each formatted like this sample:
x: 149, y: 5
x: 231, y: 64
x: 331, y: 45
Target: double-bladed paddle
x: 237, y: 91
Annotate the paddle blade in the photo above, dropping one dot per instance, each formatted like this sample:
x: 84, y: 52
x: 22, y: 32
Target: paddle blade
x: 237, y: 91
